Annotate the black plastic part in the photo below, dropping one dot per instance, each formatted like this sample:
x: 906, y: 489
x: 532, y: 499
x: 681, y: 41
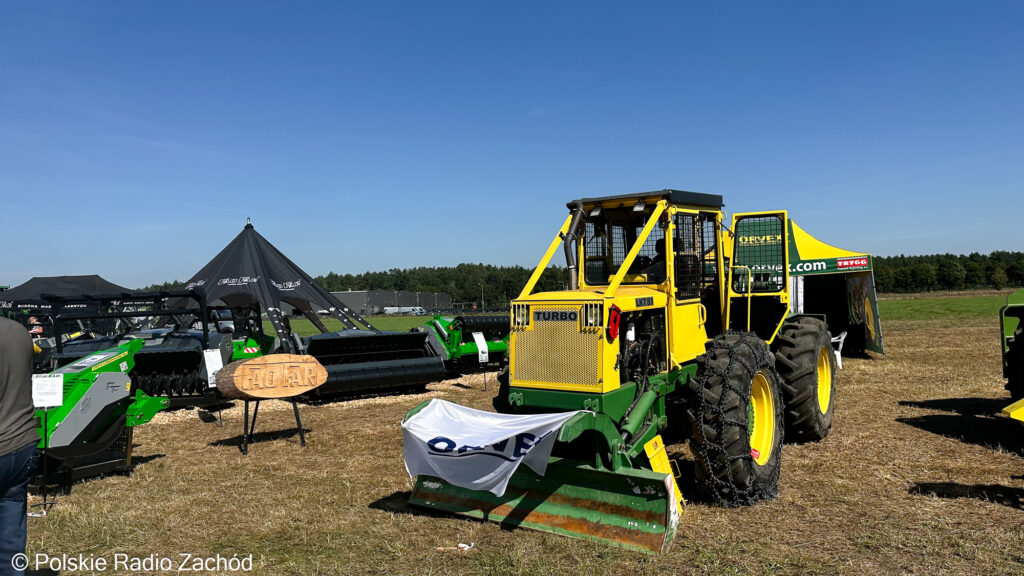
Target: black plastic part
x: 359, y: 361
x: 352, y: 346
x: 381, y: 375
x: 496, y: 326
x: 673, y: 196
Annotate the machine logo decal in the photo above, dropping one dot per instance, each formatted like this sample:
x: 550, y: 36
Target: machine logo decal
x: 645, y: 301
x: 765, y: 240
x: 561, y: 315
x: 851, y: 262
x: 523, y: 442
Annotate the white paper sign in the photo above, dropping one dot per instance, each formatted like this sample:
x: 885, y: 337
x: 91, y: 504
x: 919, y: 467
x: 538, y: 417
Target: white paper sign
x: 214, y: 363
x: 47, y: 390
x: 481, y: 347
x: 476, y: 449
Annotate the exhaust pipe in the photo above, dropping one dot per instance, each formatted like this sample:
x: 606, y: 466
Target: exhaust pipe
x: 570, y: 246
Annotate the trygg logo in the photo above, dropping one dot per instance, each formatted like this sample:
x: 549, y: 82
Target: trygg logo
x: 852, y: 262
x: 564, y: 315
x: 521, y: 444
x: 766, y: 240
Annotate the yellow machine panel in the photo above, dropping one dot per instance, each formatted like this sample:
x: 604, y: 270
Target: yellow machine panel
x: 687, y: 333
x: 556, y: 350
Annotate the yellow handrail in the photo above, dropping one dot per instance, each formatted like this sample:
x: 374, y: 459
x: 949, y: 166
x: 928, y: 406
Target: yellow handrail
x: 628, y: 261
x: 547, y: 258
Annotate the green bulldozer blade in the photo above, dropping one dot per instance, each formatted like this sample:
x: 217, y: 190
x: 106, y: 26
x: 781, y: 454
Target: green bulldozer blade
x: 632, y: 508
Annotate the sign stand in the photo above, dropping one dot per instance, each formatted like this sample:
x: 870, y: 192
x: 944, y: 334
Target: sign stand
x: 248, y: 429
x: 46, y: 471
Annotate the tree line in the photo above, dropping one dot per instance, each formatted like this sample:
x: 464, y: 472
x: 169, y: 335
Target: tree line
x: 997, y: 270
x: 465, y: 282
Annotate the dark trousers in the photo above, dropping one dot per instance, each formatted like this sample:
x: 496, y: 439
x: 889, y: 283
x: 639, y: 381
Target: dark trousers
x: 16, y: 469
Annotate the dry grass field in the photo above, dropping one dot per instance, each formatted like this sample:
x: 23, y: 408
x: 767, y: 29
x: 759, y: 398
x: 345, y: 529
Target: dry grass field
x: 919, y: 476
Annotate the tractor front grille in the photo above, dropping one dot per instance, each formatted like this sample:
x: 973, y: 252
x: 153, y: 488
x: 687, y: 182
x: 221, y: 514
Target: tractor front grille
x: 554, y: 353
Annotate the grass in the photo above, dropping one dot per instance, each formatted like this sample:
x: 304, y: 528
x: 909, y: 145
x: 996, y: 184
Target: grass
x: 941, y: 306
x: 918, y: 476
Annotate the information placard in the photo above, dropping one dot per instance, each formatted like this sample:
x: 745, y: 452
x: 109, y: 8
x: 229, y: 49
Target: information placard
x: 47, y: 390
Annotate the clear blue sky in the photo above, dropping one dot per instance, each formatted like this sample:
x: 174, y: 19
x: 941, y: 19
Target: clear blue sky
x: 136, y: 137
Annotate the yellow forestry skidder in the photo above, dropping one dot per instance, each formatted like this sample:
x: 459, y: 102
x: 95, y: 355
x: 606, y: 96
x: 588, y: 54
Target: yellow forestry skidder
x: 669, y: 315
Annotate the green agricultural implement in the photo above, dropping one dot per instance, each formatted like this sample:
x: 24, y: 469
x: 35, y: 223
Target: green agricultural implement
x: 1011, y: 320
x: 185, y: 339
x: 90, y: 433
x: 468, y: 343
x: 669, y: 315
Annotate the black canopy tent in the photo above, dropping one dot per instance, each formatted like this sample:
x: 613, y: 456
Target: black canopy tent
x: 29, y: 296
x: 251, y: 272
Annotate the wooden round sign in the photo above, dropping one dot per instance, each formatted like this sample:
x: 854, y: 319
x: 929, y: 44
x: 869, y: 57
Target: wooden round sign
x: 273, y: 376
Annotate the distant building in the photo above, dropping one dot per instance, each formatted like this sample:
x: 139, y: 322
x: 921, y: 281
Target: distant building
x: 370, y: 302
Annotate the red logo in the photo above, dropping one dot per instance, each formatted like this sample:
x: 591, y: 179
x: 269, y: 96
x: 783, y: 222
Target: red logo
x: 852, y: 262
x: 755, y: 453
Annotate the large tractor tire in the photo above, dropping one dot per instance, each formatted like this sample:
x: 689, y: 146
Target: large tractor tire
x: 1015, y: 366
x: 806, y: 361
x: 736, y: 421
x: 500, y: 402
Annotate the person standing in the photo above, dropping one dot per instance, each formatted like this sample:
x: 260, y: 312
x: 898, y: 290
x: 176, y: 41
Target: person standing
x: 18, y: 440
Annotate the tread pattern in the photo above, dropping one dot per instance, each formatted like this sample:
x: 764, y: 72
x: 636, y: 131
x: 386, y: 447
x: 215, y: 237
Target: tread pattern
x: 726, y: 473
x: 796, y: 358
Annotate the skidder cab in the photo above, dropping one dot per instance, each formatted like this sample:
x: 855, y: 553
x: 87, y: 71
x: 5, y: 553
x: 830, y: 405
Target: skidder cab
x: 669, y: 315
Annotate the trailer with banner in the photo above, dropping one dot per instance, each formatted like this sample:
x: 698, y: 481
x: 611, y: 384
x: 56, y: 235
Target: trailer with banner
x: 837, y: 284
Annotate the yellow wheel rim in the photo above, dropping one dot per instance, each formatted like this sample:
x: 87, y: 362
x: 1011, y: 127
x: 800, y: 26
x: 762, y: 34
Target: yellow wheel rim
x: 824, y: 379
x: 762, y: 419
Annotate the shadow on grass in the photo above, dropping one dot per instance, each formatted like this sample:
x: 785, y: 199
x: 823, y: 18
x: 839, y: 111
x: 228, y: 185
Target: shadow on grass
x: 398, y: 503
x: 315, y: 399
x: 212, y: 414
x: 990, y: 432
x: 259, y: 437
x: 970, y: 420
x: 1005, y: 495
x: 137, y: 460
x: 965, y: 406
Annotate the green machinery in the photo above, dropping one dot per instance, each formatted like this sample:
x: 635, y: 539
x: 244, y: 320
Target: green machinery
x: 468, y: 343
x: 182, y: 335
x: 91, y: 431
x: 672, y: 315
x: 1011, y: 319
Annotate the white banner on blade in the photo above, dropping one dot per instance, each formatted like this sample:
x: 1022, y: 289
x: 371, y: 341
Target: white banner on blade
x: 475, y: 449
x: 481, y: 347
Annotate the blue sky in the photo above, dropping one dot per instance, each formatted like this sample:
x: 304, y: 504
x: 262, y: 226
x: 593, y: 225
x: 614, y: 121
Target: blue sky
x: 136, y: 137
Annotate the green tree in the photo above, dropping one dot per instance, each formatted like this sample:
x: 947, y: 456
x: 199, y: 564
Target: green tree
x: 951, y: 275
x: 924, y: 277
x: 974, y: 274
x: 997, y: 277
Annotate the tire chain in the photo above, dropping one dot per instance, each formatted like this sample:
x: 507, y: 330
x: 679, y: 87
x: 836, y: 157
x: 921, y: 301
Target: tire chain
x: 757, y: 490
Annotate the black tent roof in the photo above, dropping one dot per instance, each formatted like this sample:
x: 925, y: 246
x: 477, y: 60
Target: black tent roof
x: 29, y: 294
x: 251, y: 270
